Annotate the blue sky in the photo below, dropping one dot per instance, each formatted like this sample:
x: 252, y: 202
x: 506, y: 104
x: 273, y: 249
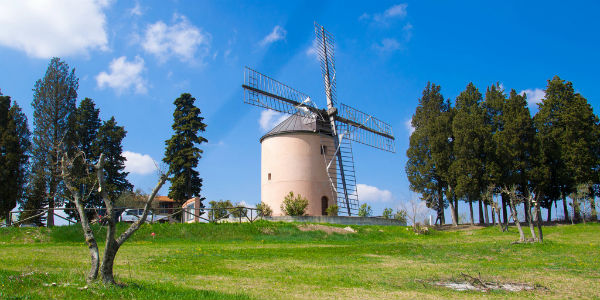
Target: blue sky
x: 135, y: 57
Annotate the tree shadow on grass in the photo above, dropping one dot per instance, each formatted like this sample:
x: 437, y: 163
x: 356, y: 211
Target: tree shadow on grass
x: 38, y: 285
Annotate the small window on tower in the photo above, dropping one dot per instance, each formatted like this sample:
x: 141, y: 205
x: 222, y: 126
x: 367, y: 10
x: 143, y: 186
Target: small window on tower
x: 323, y: 149
x: 269, y: 176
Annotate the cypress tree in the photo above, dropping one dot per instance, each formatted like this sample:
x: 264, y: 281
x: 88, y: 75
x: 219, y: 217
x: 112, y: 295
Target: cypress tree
x: 109, y: 141
x: 429, y: 153
x: 470, y: 134
x: 14, y: 158
x: 182, y: 153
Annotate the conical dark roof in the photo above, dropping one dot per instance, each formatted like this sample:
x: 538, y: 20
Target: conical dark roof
x: 295, y: 123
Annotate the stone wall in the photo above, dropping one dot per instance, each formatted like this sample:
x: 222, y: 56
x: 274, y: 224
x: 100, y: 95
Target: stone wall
x: 343, y: 220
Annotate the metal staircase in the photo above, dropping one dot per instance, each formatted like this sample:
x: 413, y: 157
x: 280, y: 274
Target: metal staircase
x: 341, y: 175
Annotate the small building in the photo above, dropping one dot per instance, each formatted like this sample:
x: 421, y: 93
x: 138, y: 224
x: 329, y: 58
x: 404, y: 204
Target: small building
x: 292, y: 159
x: 164, y: 205
x: 192, y: 211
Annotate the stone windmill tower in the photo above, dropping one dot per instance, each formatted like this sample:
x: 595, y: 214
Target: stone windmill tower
x: 310, y: 152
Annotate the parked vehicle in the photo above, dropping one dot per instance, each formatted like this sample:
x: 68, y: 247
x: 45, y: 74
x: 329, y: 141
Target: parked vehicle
x: 133, y: 214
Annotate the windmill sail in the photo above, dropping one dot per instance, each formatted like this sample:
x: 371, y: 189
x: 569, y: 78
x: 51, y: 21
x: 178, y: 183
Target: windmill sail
x: 365, y: 129
x: 263, y: 91
x: 325, y: 49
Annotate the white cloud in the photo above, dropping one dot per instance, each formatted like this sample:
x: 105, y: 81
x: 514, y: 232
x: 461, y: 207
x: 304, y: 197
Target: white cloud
x: 409, y: 127
x: 270, y: 118
x: 368, y: 193
x: 277, y: 34
x: 407, y: 32
x: 124, y: 75
x: 387, y: 45
x: 312, y: 50
x: 534, y: 96
x: 182, y: 40
x: 137, y: 163
x: 44, y: 29
x: 397, y: 11
x: 136, y: 10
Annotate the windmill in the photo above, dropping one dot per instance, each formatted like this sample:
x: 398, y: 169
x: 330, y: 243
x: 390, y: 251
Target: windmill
x: 344, y: 123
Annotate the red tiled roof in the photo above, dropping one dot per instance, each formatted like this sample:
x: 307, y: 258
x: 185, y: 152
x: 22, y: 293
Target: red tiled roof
x: 163, y: 199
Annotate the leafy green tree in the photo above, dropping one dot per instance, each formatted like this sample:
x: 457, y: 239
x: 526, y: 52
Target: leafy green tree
x: 182, y: 153
x: 365, y: 210
x: 294, y: 205
x: 387, y: 213
x: 53, y: 103
x: 264, y: 210
x: 14, y: 158
x: 430, y: 151
x: 35, y: 196
x: 220, y: 209
x: 401, y: 216
x: 332, y: 210
x: 470, y: 137
x: 109, y: 142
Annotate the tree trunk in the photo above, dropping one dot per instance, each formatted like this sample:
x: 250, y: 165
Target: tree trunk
x: 526, y: 208
x: 565, y: 209
x: 90, y: 240
x: 485, y: 213
x: 576, y: 210
x: 493, y: 216
x: 539, y: 221
x: 594, y: 214
x: 441, y: 206
x: 453, y: 213
x: 513, y: 211
x: 504, y: 212
x: 480, y: 211
x: 471, y: 210
x: 455, y: 207
x: 530, y: 220
x: 549, y: 218
x: 500, y: 224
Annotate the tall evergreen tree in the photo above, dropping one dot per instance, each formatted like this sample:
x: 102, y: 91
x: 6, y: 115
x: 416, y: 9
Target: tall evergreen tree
x: 470, y: 133
x: 430, y: 150
x: 568, y: 138
x: 493, y: 105
x: 515, y: 144
x: 182, y: 153
x: 53, y: 103
x: 109, y: 141
x: 83, y: 132
x: 14, y: 155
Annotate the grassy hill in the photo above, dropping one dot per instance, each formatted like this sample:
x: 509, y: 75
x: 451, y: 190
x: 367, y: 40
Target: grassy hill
x: 267, y: 260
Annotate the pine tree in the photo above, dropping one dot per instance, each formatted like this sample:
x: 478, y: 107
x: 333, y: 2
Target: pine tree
x: 470, y: 138
x: 109, y: 141
x: 53, y: 103
x: 182, y: 153
x: 429, y: 153
x: 14, y: 158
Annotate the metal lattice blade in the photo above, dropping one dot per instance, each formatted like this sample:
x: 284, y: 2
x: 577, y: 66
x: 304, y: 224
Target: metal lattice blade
x: 263, y: 91
x: 325, y: 48
x: 365, y: 129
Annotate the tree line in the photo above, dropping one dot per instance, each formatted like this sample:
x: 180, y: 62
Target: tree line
x: 30, y: 163
x: 489, y: 146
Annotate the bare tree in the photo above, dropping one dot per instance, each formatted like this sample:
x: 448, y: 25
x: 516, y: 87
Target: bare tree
x: 489, y: 197
x: 112, y: 244
x: 532, y: 200
x: 415, y: 210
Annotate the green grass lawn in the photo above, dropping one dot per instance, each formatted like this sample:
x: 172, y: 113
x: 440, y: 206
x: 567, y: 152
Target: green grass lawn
x: 267, y: 260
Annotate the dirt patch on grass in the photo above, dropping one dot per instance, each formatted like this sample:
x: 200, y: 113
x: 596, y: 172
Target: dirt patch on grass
x: 326, y: 229
x: 470, y: 283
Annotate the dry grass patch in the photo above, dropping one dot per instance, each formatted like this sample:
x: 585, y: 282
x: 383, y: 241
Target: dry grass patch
x: 326, y: 229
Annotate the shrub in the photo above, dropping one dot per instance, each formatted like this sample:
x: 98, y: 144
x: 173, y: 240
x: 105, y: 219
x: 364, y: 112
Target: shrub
x: 332, y: 210
x: 219, y: 209
x: 264, y: 210
x: 401, y: 216
x: 294, y: 206
x: 387, y: 213
x: 365, y: 210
